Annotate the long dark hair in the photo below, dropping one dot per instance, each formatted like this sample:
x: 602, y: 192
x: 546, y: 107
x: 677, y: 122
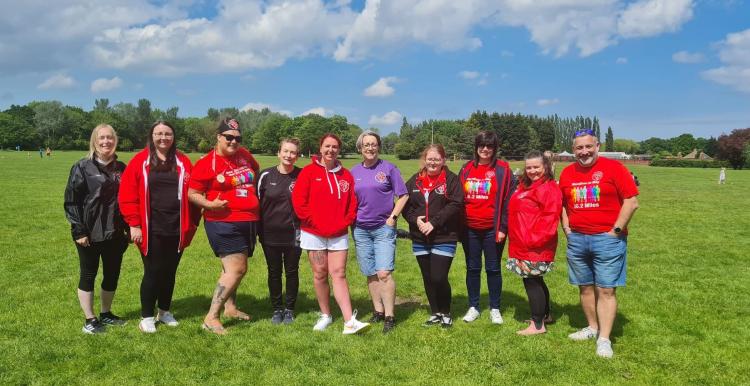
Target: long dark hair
x: 486, y: 138
x: 170, y: 163
x: 546, y: 162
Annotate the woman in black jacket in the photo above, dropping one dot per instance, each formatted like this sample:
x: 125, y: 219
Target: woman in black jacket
x: 96, y: 225
x: 434, y: 212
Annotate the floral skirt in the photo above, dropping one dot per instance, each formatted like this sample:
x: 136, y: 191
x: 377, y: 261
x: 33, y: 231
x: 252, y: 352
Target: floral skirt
x: 526, y: 268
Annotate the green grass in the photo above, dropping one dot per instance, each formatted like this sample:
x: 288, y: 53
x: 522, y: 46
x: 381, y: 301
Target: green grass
x: 681, y: 319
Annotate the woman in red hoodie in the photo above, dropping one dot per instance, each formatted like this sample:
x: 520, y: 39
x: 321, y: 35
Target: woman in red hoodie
x: 153, y: 200
x: 324, y: 201
x: 534, y: 212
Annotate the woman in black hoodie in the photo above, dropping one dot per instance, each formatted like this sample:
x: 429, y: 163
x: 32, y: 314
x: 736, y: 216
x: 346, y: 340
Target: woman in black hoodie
x: 434, y: 212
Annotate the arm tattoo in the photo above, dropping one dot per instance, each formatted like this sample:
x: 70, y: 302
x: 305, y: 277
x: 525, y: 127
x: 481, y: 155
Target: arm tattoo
x: 218, y: 292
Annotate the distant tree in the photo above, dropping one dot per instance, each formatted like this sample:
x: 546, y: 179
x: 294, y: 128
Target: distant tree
x: 15, y: 131
x: 144, y: 121
x: 609, y: 141
x: 49, y: 117
x: 213, y: 114
x: 655, y: 145
x: 711, y: 147
x: 684, y: 144
x: 101, y: 104
x: 626, y: 145
x: 534, y: 142
x: 266, y: 138
x: 406, y: 150
x: 389, y: 143
x: 732, y: 147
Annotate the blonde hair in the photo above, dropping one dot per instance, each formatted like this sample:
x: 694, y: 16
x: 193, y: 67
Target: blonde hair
x: 95, y: 135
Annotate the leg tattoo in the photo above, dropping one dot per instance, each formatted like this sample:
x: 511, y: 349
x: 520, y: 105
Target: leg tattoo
x: 218, y: 292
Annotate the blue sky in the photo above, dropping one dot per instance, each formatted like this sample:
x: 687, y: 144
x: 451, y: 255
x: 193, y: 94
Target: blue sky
x: 645, y: 67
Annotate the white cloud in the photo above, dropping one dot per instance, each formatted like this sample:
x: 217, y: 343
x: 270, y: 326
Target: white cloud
x: 653, y: 17
x: 687, y: 57
x: 469, y: 74
x: 258, y: 106
x: 478, y: 78
x: 104, y: 84
x: 734, y: 53
x: 381, y: 88
x: 388, y: 119
x: 622, y: 60
x: 57, y: 81
x: 547, y: 102
x: 323, y: 112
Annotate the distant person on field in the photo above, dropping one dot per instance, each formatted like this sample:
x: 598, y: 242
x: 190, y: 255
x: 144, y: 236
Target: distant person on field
x: 534, y: 212
x: 41, y: 152
x: 98, y: 229
x: 154, y: 202
x: 49, y: 152
x: 599, y: 199
x: 722, y: 176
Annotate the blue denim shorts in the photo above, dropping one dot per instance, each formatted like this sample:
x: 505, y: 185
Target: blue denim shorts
x: 227, y: 237
x: 599, y: 259
x: 446, y: 249
x: 376, y: 249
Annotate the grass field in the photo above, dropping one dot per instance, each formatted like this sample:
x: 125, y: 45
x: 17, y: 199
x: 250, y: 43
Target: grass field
x: 682, y: 316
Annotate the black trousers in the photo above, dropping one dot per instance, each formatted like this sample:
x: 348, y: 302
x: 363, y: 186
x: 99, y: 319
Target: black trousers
x: 286, y: 259
x: 538, y: 293
x: 435, y: 276
x: 110, y: 252
x: 159, y: 271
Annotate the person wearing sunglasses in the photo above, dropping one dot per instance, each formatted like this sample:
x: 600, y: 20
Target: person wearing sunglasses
x: 97, y: 227
x: 224, y: 186
x: 153, y: 201
x: 599, y: 199
x: 488, y: 184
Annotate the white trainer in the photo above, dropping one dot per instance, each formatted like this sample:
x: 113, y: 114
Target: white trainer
x: 471, y: 315
x: 323, y: 322
x: 604, y: 348
x: 148, y: 325
x: 495, y: 316
x: 354, y: 326
x: 167, y: 318
x: 585, y: 333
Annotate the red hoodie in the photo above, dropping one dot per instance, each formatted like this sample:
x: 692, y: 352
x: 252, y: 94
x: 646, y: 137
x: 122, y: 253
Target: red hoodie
x: 324, y: 200
x: 134, y: 200
x: 533, y: 215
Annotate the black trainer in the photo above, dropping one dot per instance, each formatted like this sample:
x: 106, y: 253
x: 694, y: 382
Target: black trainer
x: 447, y: 321
x: 111, y: 319
x: 92, y: 326
x: 278, y: 317
x: 288, y: 316
x: 434, y: 320
x: 388, y: 324
x: 377, y: 317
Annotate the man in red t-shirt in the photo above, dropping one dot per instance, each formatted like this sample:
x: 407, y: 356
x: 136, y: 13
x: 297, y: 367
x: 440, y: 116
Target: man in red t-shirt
x: 599, y: 199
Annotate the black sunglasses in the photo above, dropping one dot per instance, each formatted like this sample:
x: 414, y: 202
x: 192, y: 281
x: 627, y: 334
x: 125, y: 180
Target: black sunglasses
x: 230, y: 137
x: 583, y: 132
x: 487, y: 145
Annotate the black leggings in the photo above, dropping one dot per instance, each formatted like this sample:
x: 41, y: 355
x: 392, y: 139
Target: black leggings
x: 538, y: 293
x: 110, y: 252
x: 435, y: 276
x: 159, y: 271
x: 284, y: 258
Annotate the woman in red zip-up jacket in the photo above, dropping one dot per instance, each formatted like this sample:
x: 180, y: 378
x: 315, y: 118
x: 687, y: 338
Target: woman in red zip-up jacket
x: 324, y: 200
x: 153, y: 200
x: 534, y: 213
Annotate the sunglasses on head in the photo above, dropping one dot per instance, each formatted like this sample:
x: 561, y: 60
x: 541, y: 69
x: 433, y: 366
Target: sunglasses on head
x: 583, y: 132
x: 230, y: 137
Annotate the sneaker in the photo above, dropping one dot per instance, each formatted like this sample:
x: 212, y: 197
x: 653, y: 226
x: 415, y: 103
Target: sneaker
x: 377, y: 317
x: 447, y: 321
x: 604, y: 348
x: 148, y: 325
x: 323, y: 321
x: 471, y: 315
x: 389, y: 323
x: 288, y: 316
x: 434, y: 320
x: 111, y: 319
x: 584, y: 334
x: 354, y: 326
x: 92, y: 326
x: 167, y: 318
x: 278, y: 317
x: 495, y: 316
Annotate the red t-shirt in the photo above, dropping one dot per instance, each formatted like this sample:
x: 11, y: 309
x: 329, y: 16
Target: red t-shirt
x: 232, y: 179
x: 593, y: 196
x: 480, y: 189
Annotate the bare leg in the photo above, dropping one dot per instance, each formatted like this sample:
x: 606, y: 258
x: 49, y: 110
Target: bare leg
x: 319, y: 265
x: 234, y: 267
x: 107, y: 297
x: 374, y: 286
x: 337, y: 270
x: 588, y: 303
x: 387, y: 291
x: 86, y: 299
x: 606, y: 310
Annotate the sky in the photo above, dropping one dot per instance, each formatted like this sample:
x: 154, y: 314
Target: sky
x: 645, y: 67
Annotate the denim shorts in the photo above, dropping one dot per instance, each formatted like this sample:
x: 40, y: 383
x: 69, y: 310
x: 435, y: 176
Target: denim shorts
x: 599, y: 259
x: 227, y: 237
x: 376, y: 249
x: 446, y: 249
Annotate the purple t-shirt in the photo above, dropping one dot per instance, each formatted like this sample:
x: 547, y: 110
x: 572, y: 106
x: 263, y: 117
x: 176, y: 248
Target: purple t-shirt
x: 376, y: 187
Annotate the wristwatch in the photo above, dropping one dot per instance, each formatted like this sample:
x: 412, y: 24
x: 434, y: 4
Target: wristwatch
x: 394, y: 217
x: 617, y: 230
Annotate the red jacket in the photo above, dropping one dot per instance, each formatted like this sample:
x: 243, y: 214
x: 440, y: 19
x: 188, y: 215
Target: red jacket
x: 324, y: 200
x: 134, y: 198
x: 533, y: 214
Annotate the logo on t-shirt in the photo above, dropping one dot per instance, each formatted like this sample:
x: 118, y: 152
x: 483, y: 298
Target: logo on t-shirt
x: 291, y: 186
x: 344, y: 185
x: 597, y: 176
x: 585, y: 194
x: 440, y: 189
x: 489, y: 174
x: 381, y: 177
x: 478, y: 189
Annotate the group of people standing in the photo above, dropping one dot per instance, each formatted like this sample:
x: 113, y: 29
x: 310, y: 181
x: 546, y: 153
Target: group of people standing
x: 156, y: 202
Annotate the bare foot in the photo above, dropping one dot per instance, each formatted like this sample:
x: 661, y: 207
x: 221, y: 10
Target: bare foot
x: 531, y: 330
x: 236, y: 314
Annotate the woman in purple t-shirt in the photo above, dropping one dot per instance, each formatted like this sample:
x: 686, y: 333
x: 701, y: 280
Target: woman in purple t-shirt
x: 376, y: 183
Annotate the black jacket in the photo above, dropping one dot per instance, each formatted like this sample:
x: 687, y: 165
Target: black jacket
x: 506, y: 185
x: 91, y: 200
x: 446, y: 207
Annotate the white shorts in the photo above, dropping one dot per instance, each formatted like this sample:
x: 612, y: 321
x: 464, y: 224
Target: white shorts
x: 311, y: 242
